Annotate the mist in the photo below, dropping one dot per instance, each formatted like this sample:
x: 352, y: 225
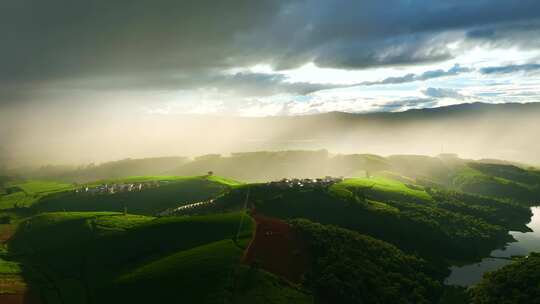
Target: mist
x: 81, y: 136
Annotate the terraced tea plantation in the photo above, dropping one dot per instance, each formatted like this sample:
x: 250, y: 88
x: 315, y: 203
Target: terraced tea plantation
x: 387, y: 237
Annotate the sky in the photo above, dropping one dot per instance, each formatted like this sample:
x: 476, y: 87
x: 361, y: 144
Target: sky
x: 73, y: 66
x: 266, y: 57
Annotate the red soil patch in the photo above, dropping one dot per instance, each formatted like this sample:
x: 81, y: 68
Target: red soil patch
x: 18, y: 290
x: 6, y: 232
x: 26, y: 298
x: 277, y: 248
x: 15, y: 290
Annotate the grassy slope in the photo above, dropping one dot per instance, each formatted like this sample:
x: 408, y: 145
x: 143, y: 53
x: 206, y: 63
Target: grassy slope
x: 180, y: 191
x: 86, y: 254
x: 29, y: 192
x: 388, y: 192
x: 497, y: 180
x: 198, y: 275
x: 381, y: 185
x: 487, y: 182
x: 258, y: 286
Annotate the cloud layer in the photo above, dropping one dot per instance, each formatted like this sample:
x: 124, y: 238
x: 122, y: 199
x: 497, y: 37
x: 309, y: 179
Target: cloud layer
x: 64, y: 49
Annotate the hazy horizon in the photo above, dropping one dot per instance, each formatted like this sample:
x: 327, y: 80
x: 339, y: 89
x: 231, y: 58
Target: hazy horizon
x: 485, y: 132
x: 92, y: 82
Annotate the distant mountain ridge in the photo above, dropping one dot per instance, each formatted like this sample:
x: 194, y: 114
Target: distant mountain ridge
x: 457, y: 108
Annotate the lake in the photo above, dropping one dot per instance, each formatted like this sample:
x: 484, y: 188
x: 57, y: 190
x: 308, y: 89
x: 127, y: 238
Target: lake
x: 525, y: 243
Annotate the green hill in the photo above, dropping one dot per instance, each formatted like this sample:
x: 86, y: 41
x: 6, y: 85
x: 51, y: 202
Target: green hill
x: 381, y: 208
x: 349, y: 267
x: 108, y: 257
x: 382, y: 189
x: 499, y: 181
x: 176, y: 192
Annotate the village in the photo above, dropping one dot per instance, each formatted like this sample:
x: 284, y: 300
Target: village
x: 285, y: 183
x: 120, y: 187
x: 306, y: 182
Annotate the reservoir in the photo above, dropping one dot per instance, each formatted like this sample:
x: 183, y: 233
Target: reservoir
x: 525, y: 243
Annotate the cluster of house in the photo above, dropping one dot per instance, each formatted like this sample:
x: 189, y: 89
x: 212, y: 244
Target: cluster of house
x: 306, y: 182
x: 121, y: 187
x: 178, y: 210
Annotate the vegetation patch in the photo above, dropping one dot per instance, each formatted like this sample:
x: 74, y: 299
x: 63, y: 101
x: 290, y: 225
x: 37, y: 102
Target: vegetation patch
x: 352, y: 268
x: 254, y: 285
x: 381, y: 185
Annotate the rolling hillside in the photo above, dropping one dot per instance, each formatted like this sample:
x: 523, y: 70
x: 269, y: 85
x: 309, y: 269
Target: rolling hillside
x: 414, y: 215
x: 173, y: 192
x: 108, y: 257
x: 463, y: 225
x: 26, y: 193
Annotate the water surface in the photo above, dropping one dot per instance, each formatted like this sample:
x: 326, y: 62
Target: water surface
x: 525, y: 243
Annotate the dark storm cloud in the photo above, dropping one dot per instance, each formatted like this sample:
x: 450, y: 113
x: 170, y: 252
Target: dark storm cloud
x: 173, y: 44
x: 360, y: 34
x: 514, y: 34
x: 49, y: 39
x: 485, y: 33
x: 531, y: 67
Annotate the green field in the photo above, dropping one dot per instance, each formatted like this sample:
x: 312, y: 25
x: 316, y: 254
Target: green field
x: 43, y: 187
x: 9, y: 267
x: 381, y: 186
x: 25, y: 194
